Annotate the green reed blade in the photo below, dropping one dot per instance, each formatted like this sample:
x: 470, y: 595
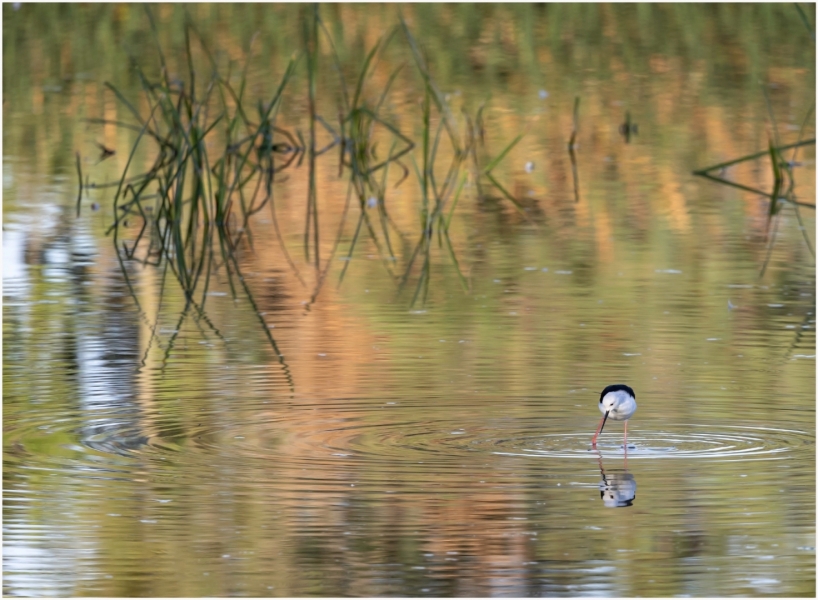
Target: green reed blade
x: 488, y: 168
x: 239, y: 114
x: 411, y: 261
x: 191, y: 70
x: 79, y: 194
x: 395, y: 131
x: 426, y: 131
x: 805, y: 20
x: 281, y: 241
x: 124, y: 101
x: 433, y: 159
x: 164, y: 70
x: 362, y: 77
x: 807, y: 120
x: 732, y: 184
x: 175, y: 223
x: 208, y: 268
x: 770, y: 245
x: 203, y: 259
x: 335, y: 138
x: 423, y: 275
x: 449, y: 181
x: 310, y: 34
x: 381, y: 198
x: 802, y: 228
x: 249, y: 55
x: 574, y: 171
x: 191, y: 26
x: 173, y: 336
x: 442, y: 106
x: 753, y: 156
x: 265, y: 328
x: 771, y: 115
x: 351, y: 248
x: 372, y: 234
x: 427, y: 267
x: 452, y: 255
x: 337, y: 61
x: 777, y: 181
x: 322, y: 277
x: 479, y: 124
x: 456, y: 198
x: 505, y: 193
x: 154, y: 326
x: 386, y: 89
x: 128, y: 164
x: 381, y: 46
x: 121, y: 124
x: 575, y: 128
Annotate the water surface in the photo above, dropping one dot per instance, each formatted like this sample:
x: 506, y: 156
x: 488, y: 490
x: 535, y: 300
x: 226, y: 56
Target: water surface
x: 437, y: 449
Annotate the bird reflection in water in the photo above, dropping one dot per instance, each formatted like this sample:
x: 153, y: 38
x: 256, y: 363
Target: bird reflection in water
x: 617, y: 489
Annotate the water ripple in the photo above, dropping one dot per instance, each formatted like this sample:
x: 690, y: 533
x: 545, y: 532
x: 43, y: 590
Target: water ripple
x: 689, y: 441
x: 306, y: 438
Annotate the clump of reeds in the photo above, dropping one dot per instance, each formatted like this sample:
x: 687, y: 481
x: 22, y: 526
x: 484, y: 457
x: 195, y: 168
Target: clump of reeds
x: 783, y: 191
x: 194, y: 206
x: 214, y: 168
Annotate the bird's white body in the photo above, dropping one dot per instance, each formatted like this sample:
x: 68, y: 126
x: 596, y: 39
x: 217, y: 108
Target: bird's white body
x: 619, y: 405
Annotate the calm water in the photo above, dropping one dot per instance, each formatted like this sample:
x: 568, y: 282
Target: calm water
x: 437, y: 449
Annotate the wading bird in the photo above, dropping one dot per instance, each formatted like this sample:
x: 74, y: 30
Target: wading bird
x: 618, y: 402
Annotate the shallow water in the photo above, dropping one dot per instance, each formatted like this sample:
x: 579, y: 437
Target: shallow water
x: 439, y: 449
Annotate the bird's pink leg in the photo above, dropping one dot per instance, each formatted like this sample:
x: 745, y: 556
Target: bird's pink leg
x: 626, y: 437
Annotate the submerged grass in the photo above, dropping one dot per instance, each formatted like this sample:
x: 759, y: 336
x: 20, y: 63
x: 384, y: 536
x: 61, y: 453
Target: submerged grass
x: 195, y: 208
x: 216, y: 156
x: 435, y: 196
x: 783, y: 192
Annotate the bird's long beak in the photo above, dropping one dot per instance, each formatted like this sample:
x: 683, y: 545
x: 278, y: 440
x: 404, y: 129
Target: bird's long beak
x: 599, y: 430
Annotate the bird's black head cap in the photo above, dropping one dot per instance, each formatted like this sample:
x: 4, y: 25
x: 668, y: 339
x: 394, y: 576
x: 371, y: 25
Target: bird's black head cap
x: 617, y: 387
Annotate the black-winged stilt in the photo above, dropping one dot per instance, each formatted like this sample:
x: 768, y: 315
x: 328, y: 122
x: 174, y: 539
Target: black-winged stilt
x: 617, y: 402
